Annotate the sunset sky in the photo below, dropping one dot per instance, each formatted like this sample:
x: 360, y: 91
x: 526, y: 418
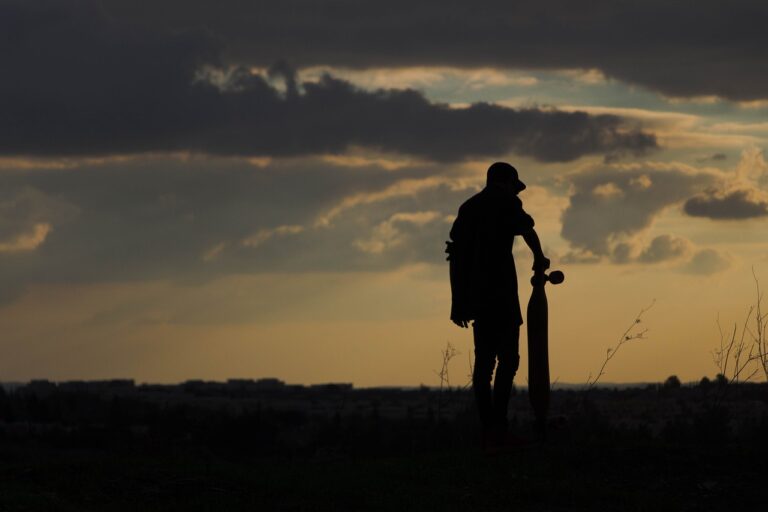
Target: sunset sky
x: 244, y: 189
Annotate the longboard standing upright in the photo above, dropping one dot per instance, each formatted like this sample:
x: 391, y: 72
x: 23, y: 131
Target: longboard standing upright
x: 538, y: 350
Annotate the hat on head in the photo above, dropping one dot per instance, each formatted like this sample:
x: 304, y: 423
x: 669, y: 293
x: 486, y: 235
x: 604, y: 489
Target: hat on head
x: 502, y: 172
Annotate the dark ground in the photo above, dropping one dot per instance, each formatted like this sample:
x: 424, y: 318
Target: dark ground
x: 689, y: 448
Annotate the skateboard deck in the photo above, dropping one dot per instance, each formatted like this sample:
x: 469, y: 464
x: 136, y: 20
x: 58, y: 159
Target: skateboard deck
x: 538, y: 346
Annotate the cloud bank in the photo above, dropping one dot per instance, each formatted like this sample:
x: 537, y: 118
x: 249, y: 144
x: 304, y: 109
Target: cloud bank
x: 741, y: 196
x: 87, y: 83
x: 199, y: 219
x: 685, y: 48
x: 728, y: 205
x: 614, y: 202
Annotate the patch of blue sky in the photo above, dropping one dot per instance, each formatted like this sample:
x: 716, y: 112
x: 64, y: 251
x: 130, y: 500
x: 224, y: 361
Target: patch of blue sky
x: 556, y: 88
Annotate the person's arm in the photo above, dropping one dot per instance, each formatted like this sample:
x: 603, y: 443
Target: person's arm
x: 525, y: 224
x: 540, y: 262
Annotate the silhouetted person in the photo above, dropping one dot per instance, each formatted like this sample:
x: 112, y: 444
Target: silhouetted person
x: 484, y: 288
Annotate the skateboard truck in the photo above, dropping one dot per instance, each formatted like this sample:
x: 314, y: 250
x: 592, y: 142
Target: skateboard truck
x: 554, y: 277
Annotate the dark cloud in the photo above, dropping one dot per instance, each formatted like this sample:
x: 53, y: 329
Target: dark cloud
x: 86, y: 83
x: 26, y: 215
x: 664, y: 248
x: 734, y: 204
x: 611, y: 203
x: 715, y: 157
x: 683, y: 48
x: 622, y: 252
x: 199, y: 219
x: 580, y: 257
x: 707, y: 262
x: 661, y: 249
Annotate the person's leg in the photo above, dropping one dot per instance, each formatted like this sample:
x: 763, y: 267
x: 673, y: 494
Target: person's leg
x: 485, y: 361
x: 509, y: 360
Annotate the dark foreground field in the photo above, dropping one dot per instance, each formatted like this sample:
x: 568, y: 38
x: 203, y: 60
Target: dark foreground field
x: 689, y: 448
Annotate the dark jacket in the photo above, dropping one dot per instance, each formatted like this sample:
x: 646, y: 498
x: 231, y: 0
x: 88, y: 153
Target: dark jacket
x: 483, y: 276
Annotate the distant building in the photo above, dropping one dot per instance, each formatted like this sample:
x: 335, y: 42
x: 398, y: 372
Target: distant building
x: 332, y: 387
x: 269, y: 383
x: 40, y: 387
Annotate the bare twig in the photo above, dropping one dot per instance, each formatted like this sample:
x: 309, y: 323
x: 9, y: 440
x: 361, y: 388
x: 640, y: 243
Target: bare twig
x: 735, y: 356
x: 759, y: 335
x: 631, y: 333
x: 448, y: 353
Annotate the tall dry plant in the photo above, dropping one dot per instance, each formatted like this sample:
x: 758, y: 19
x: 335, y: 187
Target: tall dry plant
x: 742, y: 355
x: 633, y: 332
x: 448, y: 353
x: 760, y: 343
x: 734, y: 357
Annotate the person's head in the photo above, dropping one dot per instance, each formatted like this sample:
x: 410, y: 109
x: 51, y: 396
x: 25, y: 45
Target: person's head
x: 504, y: 175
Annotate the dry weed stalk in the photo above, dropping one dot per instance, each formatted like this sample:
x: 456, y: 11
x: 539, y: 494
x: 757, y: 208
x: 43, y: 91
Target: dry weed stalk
x: 735, y: 355
x: 448, y: 353
x: 732, y: 350
x: 759, y: 336
x: 631, y: 333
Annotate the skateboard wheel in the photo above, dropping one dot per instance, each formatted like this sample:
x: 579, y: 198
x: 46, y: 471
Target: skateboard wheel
x: 556, y: 277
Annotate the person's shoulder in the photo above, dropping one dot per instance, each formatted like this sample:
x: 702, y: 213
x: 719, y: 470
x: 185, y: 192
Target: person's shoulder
x: 472, y: 203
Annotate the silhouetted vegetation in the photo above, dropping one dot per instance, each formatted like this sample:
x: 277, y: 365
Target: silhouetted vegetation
x: 204, y: 446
